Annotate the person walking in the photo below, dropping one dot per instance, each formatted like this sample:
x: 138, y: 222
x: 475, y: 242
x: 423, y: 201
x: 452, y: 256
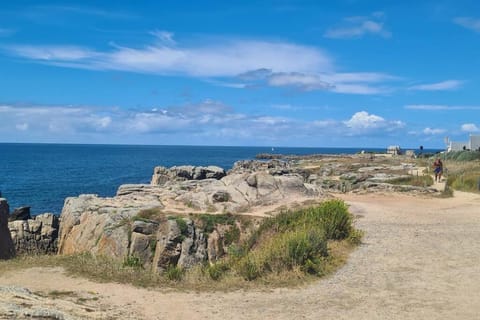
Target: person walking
x: 438, y: 169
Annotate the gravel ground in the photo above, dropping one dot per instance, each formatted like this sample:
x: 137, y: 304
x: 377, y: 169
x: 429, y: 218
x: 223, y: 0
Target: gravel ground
x: 419, y: 260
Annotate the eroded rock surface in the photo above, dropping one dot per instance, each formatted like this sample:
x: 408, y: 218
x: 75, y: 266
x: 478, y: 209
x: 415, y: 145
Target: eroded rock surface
x: 37, y: 235
x: 158, y: 225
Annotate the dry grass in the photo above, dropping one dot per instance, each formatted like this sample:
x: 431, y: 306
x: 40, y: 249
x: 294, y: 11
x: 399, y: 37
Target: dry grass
x: 463, y: 176
x: 290, y: 249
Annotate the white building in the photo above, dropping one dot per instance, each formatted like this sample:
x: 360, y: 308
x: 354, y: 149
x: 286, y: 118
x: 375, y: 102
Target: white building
x: 473, y: 144
x: 395, y: 150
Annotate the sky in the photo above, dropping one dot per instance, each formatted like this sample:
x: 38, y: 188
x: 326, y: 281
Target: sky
x: 301, y: 73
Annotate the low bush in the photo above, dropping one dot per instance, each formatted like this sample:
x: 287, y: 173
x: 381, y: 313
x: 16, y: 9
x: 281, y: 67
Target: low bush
x: 296, y: 240
x: 462, y: 155
x: 174, y: 273
x: 132, y: 262
x: 285, y: 249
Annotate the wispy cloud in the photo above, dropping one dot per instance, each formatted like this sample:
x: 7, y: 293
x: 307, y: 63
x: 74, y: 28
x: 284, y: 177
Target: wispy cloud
x: 222, y: 59
x: 357, y: 27
x: 437, y: 107
x: 469, y: 23
x: 470, y: 127
x: 438, y: 86
x: 235, y: 63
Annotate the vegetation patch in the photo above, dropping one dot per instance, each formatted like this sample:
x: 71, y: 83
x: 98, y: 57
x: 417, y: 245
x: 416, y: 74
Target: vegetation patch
x: 417, y: 181
x: 463, y: 176
x: 288, y: 249
x: 462, y: 155
x: 209, y: 221
x: 152, y: 214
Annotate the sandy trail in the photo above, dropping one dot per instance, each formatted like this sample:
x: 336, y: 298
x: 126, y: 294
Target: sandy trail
x: 420, y: 260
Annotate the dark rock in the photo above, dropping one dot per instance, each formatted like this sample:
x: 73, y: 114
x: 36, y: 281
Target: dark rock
x: 7, y: 249
x: 22, y: 213
x: 221, y: 196
x: 144, y: 227
x: 168, y: 247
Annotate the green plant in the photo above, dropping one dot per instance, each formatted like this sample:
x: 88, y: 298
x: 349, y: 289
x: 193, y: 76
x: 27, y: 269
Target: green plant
x: 209, y: 221
x: 248, y: 269
x: 174, y: 273
x: 336, y: 219
x: 217, y: 270
x: 232, y: 235
x: 292, y: 249
x: 132, y: 262
x: 355, y: 237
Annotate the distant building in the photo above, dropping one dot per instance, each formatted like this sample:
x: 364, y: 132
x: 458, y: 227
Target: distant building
x: 410, y: 153
x: 473, y: 144
x: 395, y: 150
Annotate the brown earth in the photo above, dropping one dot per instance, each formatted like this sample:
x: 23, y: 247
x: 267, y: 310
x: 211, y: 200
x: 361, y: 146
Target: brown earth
x: 419, y: 260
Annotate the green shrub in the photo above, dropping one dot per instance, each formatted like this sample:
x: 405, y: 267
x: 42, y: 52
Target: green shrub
x: 462, y: 155
x: 232, y: 235
x: 465, y: 182
x: 292, y: 249
x: 174, y: 273
x: 336, y: 220
x: 355, y: 237
x: 209, y: 221
x: 296, y: 240
x: 217, y: 270
x: 248, y: 269
x: 132, y: 262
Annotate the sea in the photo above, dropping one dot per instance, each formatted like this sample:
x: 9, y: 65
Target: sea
x: 41, y: 176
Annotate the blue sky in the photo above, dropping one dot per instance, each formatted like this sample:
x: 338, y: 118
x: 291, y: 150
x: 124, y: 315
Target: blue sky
x: 272, y: 73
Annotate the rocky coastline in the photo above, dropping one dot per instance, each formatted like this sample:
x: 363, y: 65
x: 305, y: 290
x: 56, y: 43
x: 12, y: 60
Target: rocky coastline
x: 188, y: 215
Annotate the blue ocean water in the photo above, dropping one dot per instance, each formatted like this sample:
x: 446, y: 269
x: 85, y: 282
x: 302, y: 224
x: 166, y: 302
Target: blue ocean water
x: 43, y: 175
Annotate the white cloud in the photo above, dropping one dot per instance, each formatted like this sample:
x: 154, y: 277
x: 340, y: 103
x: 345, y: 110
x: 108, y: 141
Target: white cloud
x: 439, y: 86
x: 348, y: 83
x: 222, y: 59
x: 470, y: 127
x: 436, y: 107
x: 357, y: 27
x: 363, y: 121
x: 433, y: 131
x: 53, y: 53
x: 236, y: 63
x: 357, y: 89
x: 469, y: 23
x: 207, y: 121
x: 294, y: 79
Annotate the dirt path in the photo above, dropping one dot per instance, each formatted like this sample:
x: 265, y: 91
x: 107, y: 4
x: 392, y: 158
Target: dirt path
x: 420, y: 260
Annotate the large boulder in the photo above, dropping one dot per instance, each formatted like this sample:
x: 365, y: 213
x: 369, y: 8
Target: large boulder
x: 101, y: 225
x: 162, y: 175
x: 7, y: 249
